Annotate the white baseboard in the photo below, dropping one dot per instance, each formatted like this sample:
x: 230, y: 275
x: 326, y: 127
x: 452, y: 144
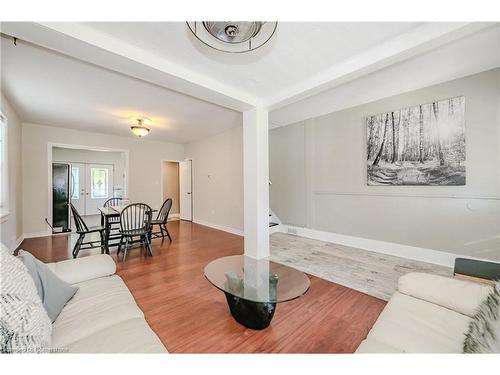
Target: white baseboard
x: 275, y: 229
x: 44, y: 233
x: 224, y: 228
x: 404, y: 251
x: 173, y: 216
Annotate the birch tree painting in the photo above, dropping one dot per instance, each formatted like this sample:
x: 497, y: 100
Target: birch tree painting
x: 420, y: 145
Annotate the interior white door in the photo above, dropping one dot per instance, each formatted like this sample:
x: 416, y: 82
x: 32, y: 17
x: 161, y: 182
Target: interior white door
x: 77, y: 187
x: 99, y: 187
x: 185, y: 191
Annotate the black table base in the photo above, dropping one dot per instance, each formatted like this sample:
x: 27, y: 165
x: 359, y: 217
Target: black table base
x: 253, y: 315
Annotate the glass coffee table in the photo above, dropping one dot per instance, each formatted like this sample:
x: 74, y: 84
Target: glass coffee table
x: 254, y: 287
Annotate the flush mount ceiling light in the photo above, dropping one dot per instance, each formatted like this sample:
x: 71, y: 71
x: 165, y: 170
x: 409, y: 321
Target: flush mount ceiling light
x: 233, y: 36
x: 140, y: 130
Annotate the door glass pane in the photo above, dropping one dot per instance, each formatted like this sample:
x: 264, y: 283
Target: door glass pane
x: 99, y: 183
x: 75, y: 183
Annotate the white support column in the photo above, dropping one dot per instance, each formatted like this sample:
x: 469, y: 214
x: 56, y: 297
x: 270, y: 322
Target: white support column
x: 256, y: 182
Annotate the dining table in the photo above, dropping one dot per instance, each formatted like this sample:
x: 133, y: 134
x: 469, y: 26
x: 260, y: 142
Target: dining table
x: 107, y: 215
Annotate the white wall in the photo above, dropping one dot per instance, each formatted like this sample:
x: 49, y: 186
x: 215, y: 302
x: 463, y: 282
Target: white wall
x: 331, y: 193
x: 144, y: 167
x: 11, y: 228
x: 116, y: 159
x: 287, y: 168
x: 218, y: 180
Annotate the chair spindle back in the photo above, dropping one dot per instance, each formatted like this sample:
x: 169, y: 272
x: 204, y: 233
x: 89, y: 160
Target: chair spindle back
x: 80, y: 224
x: 136, y: 216
x: 164, y: 211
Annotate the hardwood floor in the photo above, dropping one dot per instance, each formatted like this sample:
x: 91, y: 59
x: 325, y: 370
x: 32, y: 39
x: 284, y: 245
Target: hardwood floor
x: 191, y: 316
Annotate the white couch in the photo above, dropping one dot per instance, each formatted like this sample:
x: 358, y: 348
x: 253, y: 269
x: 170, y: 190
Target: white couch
x: 427, y: 314
x: 102, y: 317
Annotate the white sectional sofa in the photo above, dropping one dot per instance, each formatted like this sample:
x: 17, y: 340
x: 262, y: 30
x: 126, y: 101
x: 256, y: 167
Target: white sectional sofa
x: 102, y: 317
x: 428, y: 314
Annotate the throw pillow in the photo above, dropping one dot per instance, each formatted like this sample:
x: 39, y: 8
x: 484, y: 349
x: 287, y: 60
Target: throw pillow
x: 53, y: 291
x: 483, y: 335
x: 24, y: 324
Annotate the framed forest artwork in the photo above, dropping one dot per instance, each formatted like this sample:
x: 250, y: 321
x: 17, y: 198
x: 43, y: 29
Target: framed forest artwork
x: 420, y: 145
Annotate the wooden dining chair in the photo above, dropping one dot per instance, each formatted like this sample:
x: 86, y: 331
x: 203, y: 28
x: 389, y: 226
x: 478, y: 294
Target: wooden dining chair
x: 114, y: 220
x: 82, y: 229
x: 161, y: 220
x: 135, y: 221
x: 113, y: 202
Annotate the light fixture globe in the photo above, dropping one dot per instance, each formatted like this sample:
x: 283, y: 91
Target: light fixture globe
x: 233, y: 36
x: 140, y: 130
x: 233, y: 32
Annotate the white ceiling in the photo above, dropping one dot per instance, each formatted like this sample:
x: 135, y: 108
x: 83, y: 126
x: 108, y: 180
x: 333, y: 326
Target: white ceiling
x: 52, y: 89
x: 297, y: 52
x: 472, y: 54
x: 120, y: 69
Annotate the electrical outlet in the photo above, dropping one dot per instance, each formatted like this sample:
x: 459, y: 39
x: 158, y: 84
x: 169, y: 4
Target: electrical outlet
x: 292, y: 230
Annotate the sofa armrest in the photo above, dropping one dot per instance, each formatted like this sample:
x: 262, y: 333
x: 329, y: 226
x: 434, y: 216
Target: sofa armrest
x: 458, y: 295
x: 83, y: 269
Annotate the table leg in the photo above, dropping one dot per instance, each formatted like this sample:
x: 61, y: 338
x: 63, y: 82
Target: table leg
x: 150, y: 231
x: 107, y: 231
x: 254, y: 315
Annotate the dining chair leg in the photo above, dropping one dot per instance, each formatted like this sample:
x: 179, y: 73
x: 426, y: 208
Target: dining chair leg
x: 125, y: 251
x: 103, y: 243
x: 168, y: 233
x: 148, y: 245
x: 78, y: 245
x: 120, y: 245
x: 161, y: 230
x: 150, y: 234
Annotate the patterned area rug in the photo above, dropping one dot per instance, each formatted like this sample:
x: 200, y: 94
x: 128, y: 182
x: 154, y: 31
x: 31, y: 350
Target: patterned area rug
x: 369, y: 272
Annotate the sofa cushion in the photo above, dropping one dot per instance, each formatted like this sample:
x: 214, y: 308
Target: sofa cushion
x: 374, y: 346
x: 458, y: 295
x: 53, y: 291
x: 98, y: 304
x: 24, y: 325
x: 413, y: 325
x: 78, y: 270
x: 129, y: 336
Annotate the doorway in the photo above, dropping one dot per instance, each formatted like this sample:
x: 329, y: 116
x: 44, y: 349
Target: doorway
x: 177, y: 185
x: 95, y: 175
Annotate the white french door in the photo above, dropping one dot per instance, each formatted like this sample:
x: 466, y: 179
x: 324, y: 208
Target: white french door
x: 185, y: 191
x: 77, y: 187
x: 91, y: 186
x: 99, y: 181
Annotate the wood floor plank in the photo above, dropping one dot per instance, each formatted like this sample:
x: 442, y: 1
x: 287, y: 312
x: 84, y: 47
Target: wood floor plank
x: 191, y: 316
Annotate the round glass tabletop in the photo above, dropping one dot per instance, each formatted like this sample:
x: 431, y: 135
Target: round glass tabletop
x: 256, y: 280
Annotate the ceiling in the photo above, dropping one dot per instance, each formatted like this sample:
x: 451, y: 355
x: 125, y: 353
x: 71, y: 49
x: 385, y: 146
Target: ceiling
x: 472, y: 54
x: 52, y: 89
x: 94, y: 76
x: 298, y: 50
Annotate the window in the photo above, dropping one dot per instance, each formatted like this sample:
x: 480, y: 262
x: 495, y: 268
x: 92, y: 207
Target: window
x: 99, y: 183
x: 4, y: 169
